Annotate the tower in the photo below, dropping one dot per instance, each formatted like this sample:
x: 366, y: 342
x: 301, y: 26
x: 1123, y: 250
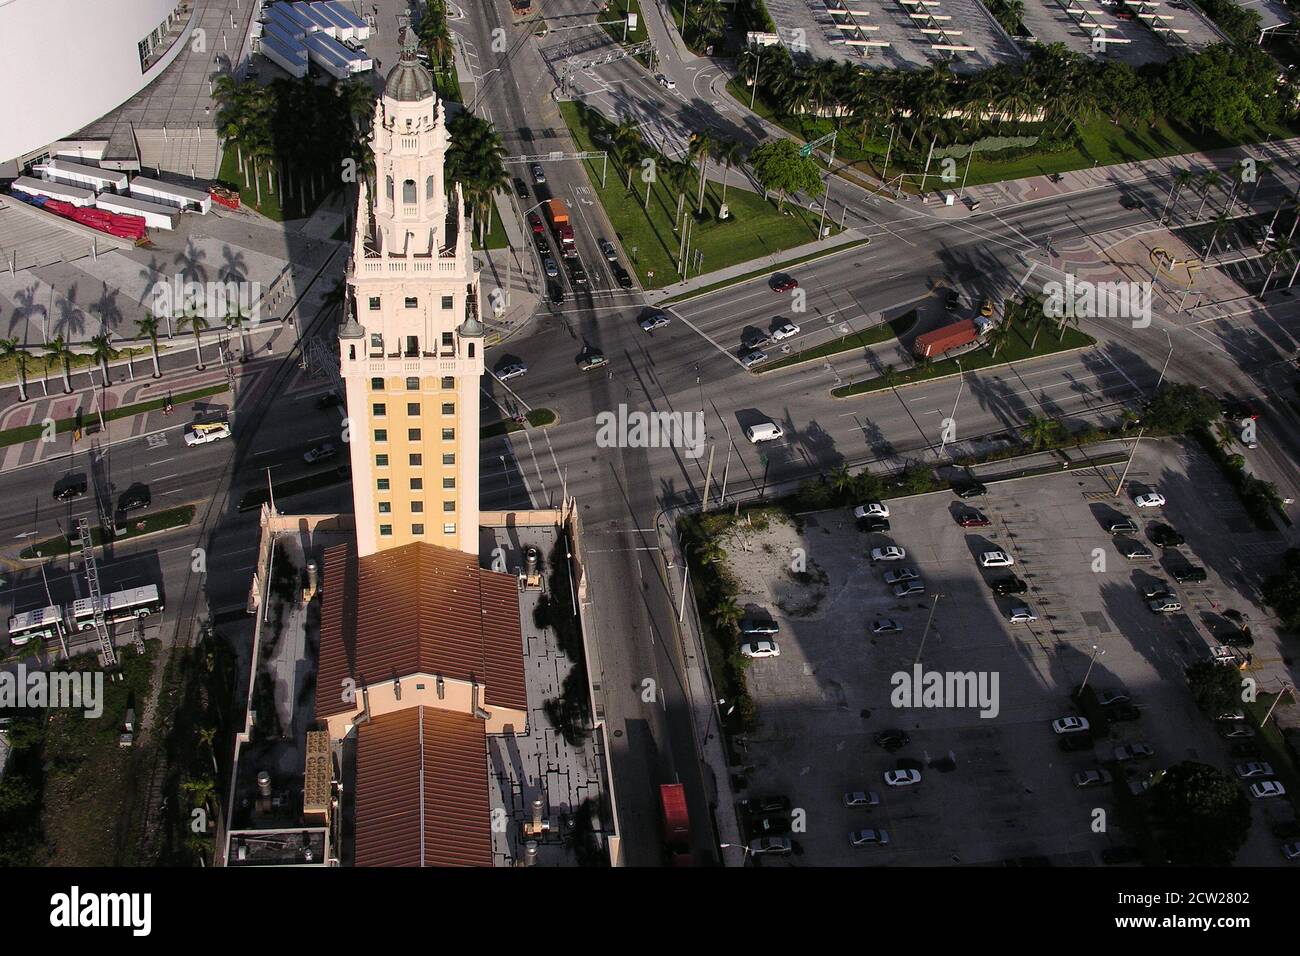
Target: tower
x: 411, y: 345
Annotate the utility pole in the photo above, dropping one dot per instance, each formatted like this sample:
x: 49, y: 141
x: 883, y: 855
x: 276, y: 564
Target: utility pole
x: 961, y: 380
x: 686, y: 576
x: 1286, y: 689
x: 708, y: 477
x: 1119, y: 488
x: 1167, y: 358
x: 1095, y: 654
x: 753, y: 86
x: 926, y: 172
x: 884, y: 173
x: 934, y: 604
x: 726, y: 470
x: 969, y: 156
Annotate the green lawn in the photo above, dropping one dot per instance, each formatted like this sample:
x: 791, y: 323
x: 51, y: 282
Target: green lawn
x: 1100, y: 143
x: 270, y: 204
x: 847, y: 343
x: 618, y: 10
x: 496, y: 237
x: 537, y: 418
x: 80, y: 362
x: 1015, y: 350
x: 754, y: 230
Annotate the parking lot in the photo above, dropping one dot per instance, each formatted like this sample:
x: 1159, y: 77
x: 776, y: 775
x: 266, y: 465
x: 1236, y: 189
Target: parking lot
x: 994, y: 788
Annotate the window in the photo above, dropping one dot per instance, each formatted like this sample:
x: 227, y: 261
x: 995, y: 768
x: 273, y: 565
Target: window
x: 412, y: 302
x: 449, y: 482
x: 381, y: 461
x: 413, y: 434
x: 449, y: 434
x: 385, y: 507
x: 381, y: 434
x: 448, y: 302
x: 449, y: 529
x: 417, y: 529
x: 381, y: 484
x: 428, y: 187
x: 374, y: 302
x: 471, y: 350
x: 417, y: 460
x: 449, y: 408
x: 447, y: 341
x: 388, y: 187
x: 412, y: 384
x: 385, y: 530
x: 448, y: 381
x: 379, y: 409
x: 377, y: 384
x: 449, y: 459
x: 412, y: 408
x: 417, y: 484
x: 408, y: 191
x: 417, y: 507
x: 412, y: 346
x: 449, y: 506
x: 376, y: 342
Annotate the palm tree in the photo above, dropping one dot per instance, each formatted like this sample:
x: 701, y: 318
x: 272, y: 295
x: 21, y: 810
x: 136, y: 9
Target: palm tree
x: 1221, y: 220
x: 1209, y: 180
x: 102, y: 349
x: 708, y: 16
x: 841, y: 479
x: 1182, y: 179
x: 149, y: 326
x: 698, y: 151
x: 1261, y: 167
x: 889, y: 376
x: 710, y: 552
x: 207, y: 737
x: 56, y: 350
x: 728, y: 152
x: 627, y: 147
x: 1282, y: 251
x: 725, y: 612
x: 999, y: 335
x: 10, y: 347
x: 197, y: 322
x: 1039, y: 431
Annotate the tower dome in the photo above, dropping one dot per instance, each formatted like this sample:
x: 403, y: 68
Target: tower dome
x: 409, y: 81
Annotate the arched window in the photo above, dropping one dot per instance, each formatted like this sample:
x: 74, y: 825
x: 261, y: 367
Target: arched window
x: 390, y: 188
x: 408, y: 192
x: 428, y: 188
x: 471, y: 350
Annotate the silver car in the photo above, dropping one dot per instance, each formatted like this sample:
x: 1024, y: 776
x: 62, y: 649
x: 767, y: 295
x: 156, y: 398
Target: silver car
x: 862, y: 798
x: 607, y: 250
x: 869, y: 838
x: 552, y: 270
x: 753, y: 357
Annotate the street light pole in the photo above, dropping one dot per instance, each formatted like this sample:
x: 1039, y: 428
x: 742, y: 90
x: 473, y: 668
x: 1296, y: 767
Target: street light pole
x: 934, y: 604
x: 1119, y: 488
x: 961, y: 380
x: 1095, y: 654
x: 753, y: 92
x: 1166, y: 365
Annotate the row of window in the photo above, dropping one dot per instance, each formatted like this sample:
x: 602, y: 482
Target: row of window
x: 412, y: 384
x: 417, y: 507
x: 381, y: 461
x: 380, y: 409
x: 412, y: 344
x: 386, y: 530
x: 417, y: 484
x: 412, y: 302
x: 408, y: 188
x: 414, y: 434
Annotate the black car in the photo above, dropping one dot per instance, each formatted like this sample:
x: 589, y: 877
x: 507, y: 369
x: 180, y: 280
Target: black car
x: 134, y: 498
x: 1072, y: 742
x: 1165, y: 536
x: 873, y: 524
x: 1128, y: 202
x: 577, y: 273
x: 1244, y: 747
x: 970, y: 489
x: 1011, y: 585
x: 1235, y: 409
x: 892, y: 740
x: 521, y: 190
x: 769, y: 824
x: 624, y: 280
x: 773, y: 803
x: 953, y: 300
x: 1120, y: 713
x: 556, y: 293
x: 69, y: 487
x: 329, y: 400
x: 542, y: 246
x: 1189, y: 574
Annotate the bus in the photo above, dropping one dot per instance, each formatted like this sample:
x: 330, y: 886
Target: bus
x: 45, y: 623
x: 119, y: 606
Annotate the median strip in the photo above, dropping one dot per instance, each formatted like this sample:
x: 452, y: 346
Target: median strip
x: 26, y: 433
x: 778, y: 267
x: 882, y: 332
x: 165, y: 520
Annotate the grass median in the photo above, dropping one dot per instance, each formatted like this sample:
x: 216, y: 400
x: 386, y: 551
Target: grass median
x: 537, y: 418
x: 1016, y: 349
x: 132, y: 527
x: 260, y: 495
x: 754, y: 230
x: 778, y: 267
x: 26, y: 433
x: 846, y: 343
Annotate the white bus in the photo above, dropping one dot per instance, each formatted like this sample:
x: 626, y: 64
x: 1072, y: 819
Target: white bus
x: 45, y: 623
x: 118, y: 606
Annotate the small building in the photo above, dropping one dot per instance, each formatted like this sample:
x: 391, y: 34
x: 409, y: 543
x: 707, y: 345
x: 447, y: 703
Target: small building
x: 184, y: 198
x: 74, y: 195
x: 87, y: 177
x: 155, y: 216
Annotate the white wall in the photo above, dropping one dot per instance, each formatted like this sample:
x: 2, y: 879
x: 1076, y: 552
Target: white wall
x: 66, y: 63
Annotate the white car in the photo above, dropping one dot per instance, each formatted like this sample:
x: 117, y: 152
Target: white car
x: 1022, y: 615
x: 771, y: 846
x: 1151, y: 500
x: 900, y: 575
x: 889, y: 553
x: 1092, y: 778
x: 506, y: 372
x: 868, y: 838
x: 202, y: 434
x: 1164, y: 606
x: 1265, y: 789
x: 908, y: 588
x: 902, y: 778
x: 652, y: 322
x: 1070, y: 725
x: 885, y: 625
x: 760, y: 649
x: 319, y: 453
x: 996, y: 559
x: 607, y: 250
x: 786, y: 331
x: 1256, y: 768
x: 667, y: 82
x: 872, y: 509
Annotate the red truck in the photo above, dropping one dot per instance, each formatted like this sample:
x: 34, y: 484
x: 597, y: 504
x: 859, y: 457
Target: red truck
x: 677, y: 824
x: 562, y: 227
x: 946, y: 339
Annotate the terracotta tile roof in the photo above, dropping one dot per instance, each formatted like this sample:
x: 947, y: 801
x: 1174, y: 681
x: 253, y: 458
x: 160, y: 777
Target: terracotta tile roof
x: 418, y: 609
x: 422, y: 790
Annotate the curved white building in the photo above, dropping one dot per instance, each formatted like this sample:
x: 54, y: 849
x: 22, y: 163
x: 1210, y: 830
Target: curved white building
x: 66, y: 63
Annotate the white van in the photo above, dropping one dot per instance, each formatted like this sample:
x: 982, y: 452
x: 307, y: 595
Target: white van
x: 763, y: 431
